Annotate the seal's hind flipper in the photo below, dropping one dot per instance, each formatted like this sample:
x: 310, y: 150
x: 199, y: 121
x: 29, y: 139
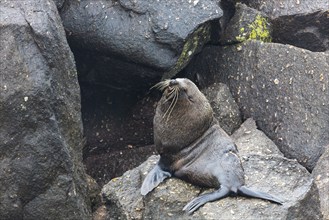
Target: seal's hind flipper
x: 243, y: 190
x: 203, y: 199
x: 153, y: 179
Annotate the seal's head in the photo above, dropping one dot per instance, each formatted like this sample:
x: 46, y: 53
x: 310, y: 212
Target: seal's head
x: 183, y: 114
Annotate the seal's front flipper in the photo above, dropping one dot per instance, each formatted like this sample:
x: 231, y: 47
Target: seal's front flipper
x: 203, y: 199
x: 153, y: 179
x: 258, y: 194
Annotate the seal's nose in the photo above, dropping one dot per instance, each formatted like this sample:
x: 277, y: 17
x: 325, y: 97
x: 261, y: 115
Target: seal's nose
x: 173, y: 82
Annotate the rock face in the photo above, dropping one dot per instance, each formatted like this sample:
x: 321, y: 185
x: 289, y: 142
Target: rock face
x: 321, y: 176
x: 41, y: 175
x: 276, y: 9
x: 159, y: 36
x: 284, y: 88
x: 303, y: 30
x: 299, y: 23
x: 226, y: 111
x: 246, y: 24
x: 265, y: 169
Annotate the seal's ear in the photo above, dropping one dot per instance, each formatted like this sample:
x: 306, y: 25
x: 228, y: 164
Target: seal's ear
x: 153, y: 179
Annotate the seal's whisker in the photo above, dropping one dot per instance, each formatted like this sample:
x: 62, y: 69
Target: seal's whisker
x: 156, y: 85
x: 169, y: 96
x: 171, y: 104
x: 165, y: 114
x: 175, y: 102
x: 161, y: 85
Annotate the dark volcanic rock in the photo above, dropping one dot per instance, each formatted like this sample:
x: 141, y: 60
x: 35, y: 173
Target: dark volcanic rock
x: 41, y: 175
x: 247, y: 23
x: 274, y: 8
x: 300, y: 23
x: 284, y: 88
x: 59, y: 3
x: 268, y: 172
x: 245, y: 140
x: 161, y: 37
x: 309, y: 31
x: 226, y: 111
x: 321, y: 176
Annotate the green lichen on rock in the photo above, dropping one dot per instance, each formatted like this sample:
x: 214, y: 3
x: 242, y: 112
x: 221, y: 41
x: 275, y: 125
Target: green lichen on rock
x: 193, y: 45
x: 257, y: 30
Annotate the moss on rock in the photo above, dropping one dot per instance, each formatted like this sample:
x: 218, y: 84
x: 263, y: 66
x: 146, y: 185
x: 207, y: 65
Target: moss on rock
x: 257, y: 30
x: 192, y: 46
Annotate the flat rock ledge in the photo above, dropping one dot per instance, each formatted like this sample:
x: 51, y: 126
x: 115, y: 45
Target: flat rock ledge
x: 265, y: 169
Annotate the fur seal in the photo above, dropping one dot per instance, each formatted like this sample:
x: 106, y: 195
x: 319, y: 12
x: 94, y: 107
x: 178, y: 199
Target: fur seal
x: 193, y: 147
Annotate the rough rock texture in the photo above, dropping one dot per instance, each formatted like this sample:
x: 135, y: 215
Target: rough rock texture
x: 247, y: 23
x: 321, y: 176
x: 309, y: 31
x: 226, y: 111
x: 59, y: 3
x: 274, y: 8
x: 265, y: 169
x: 245, y: 136
x: 159, y: 36
x: 299, y: 23
x: 284, y: 88
x: 41, y: 174
x: 94, y: 193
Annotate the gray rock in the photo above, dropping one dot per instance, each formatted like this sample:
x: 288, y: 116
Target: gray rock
x: 59, y: 3
x: 247, y: 23
x: 41, y: 175
x: 226, y: 111
x: 94, y: 193
x: 269, y: 172
x: 274, y: 8
x: 161, y: 36
x: 309, y: 31
x: 321, y: 176
x: 299, y: 23
x: 284, y: 88
x: 245, y: 140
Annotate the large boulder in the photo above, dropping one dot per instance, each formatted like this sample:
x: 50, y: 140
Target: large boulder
x: 147, y: 38
x: 275, y: 9
x: 299, y: 23
x: 307, y: 31
x: 265, y: 169
x: 41, y: 175
x: 284, y: 88
x: 246, y: 24
x: 226, y: 111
